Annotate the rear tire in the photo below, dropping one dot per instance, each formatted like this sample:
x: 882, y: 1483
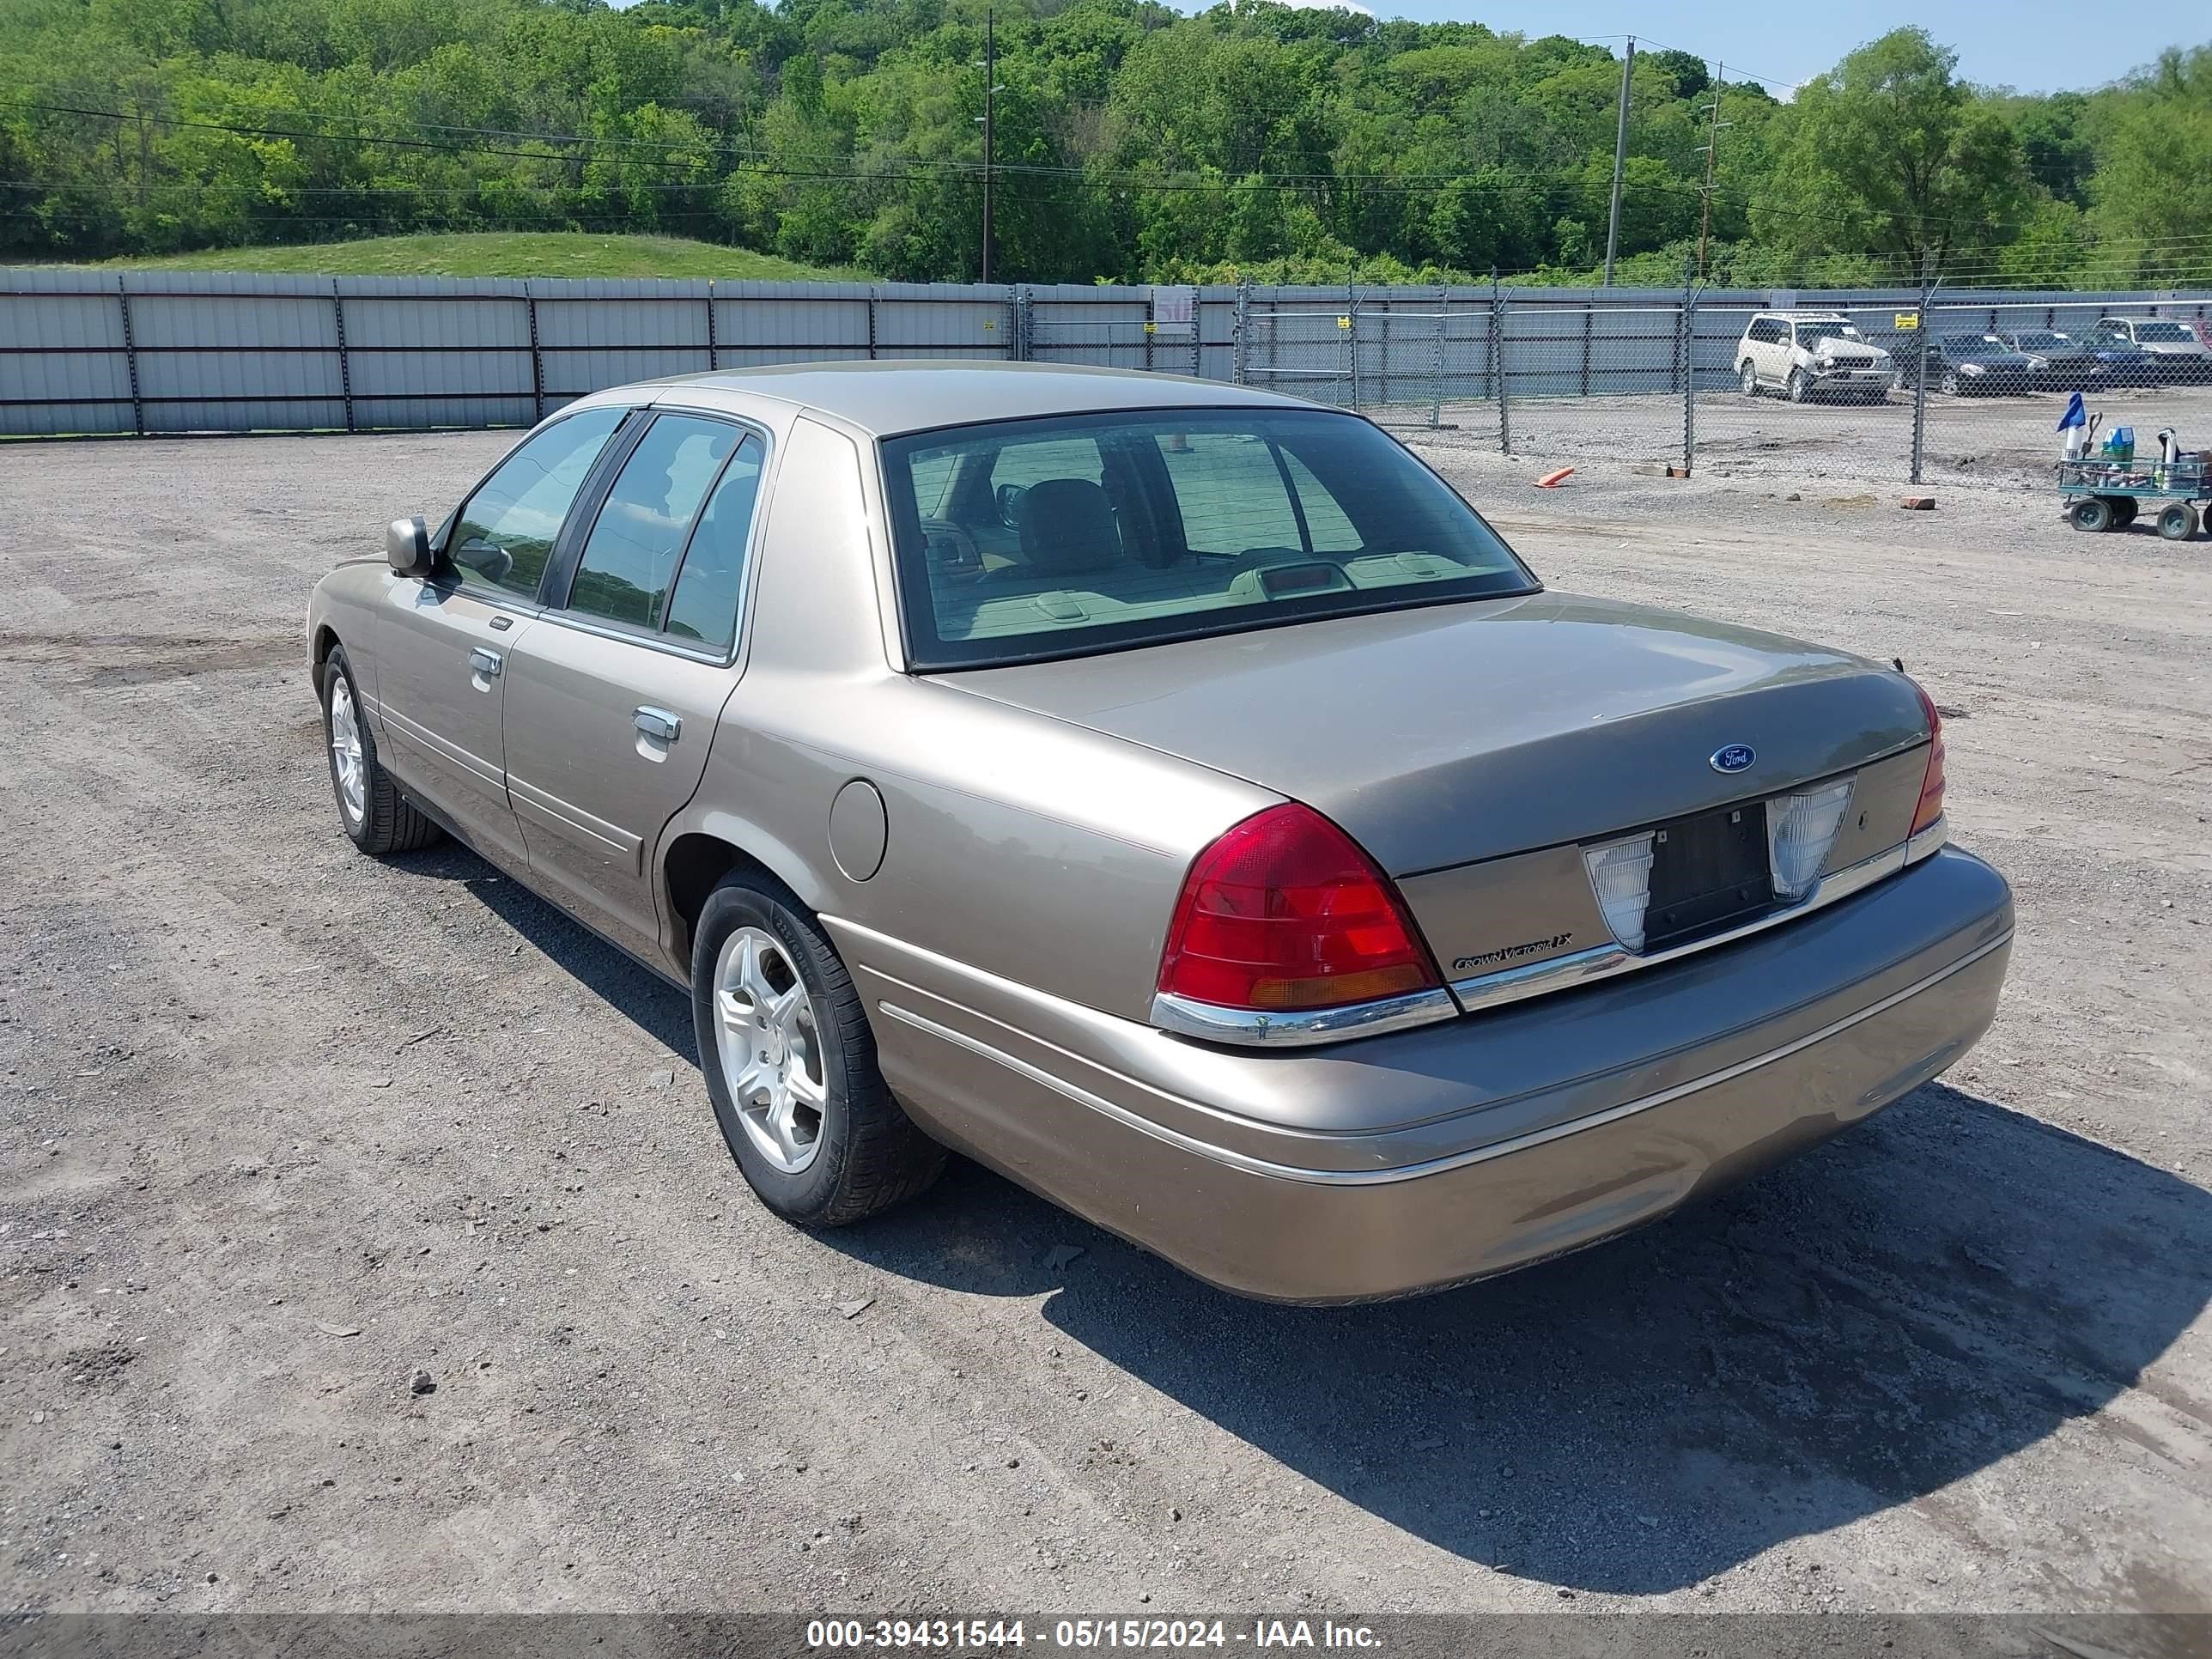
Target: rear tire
x: 2091, y: 512
x: 2177, y: 521
x: 376, y: 817
x: 2123, y: 511
x: 791, y: 1063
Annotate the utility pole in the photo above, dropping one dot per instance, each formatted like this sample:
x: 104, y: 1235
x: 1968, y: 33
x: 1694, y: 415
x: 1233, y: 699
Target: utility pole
x: 1619, y: 156
x: 1712, y: 148
x: 991, y: 89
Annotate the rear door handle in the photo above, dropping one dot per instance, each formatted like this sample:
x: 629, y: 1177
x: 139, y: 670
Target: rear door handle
x: 486, y: 663
x: 659, y: 725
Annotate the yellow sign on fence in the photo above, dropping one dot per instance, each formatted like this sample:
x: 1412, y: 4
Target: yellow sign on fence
x: 1907, y: 321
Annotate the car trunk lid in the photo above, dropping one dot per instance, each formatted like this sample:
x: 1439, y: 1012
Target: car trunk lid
x: 1445, y: 735
x: 1458, y: 742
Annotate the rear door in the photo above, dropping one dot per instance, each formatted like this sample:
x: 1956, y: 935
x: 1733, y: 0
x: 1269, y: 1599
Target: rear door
x: 613, y: 698
x: 1771, y: 350
x: 443, y: 641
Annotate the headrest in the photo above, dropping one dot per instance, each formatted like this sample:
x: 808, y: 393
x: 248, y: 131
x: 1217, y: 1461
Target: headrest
x: 1067, y: 525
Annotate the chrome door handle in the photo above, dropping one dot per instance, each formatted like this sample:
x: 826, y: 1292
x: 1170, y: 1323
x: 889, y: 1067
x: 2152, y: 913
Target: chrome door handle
x: 486, y: 663
x: 658, y: 723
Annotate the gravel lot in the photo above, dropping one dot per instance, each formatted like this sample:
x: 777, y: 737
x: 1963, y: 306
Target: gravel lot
x: 1973, y: 442
x: 282, y: 1126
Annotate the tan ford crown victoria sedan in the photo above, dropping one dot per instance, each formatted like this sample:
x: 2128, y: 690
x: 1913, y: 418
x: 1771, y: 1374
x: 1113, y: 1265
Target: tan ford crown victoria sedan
x: 1173, y: 796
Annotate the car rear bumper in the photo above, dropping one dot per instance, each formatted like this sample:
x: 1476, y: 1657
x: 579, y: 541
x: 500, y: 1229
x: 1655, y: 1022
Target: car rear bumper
x: 1423, y: 1158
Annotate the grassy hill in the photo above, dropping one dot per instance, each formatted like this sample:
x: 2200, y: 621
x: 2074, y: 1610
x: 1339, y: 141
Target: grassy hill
x: 504, y: 254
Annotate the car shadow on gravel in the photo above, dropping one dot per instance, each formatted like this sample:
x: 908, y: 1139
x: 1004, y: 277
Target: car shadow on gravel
x: 639, y: 995
x: 1944, y: 1286
x: 1940, y: 1287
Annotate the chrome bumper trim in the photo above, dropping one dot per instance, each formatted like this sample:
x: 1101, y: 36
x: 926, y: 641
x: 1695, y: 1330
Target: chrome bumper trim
x: 1250, y: 1029
x: 1927, y: 841
x: 1604, y: 961
x: 1259, y: 1166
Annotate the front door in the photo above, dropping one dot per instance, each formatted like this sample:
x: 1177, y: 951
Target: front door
x: 612, y: 697
x: 442, y: 654
x: 443, y: 640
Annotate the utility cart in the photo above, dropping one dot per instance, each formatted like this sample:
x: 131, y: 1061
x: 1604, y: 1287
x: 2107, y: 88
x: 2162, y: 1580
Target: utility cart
x: 2103, y: 494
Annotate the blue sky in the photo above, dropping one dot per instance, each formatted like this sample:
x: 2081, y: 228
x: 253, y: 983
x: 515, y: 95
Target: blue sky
x: 2036, y: 46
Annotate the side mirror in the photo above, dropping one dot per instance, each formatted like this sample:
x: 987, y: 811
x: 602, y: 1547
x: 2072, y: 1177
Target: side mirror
x: 407, y: 546
x: 1010, y: 504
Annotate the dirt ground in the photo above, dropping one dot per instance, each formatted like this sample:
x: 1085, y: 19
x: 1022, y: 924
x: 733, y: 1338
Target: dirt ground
x: 1970, y: 441
x: 282, y: 1126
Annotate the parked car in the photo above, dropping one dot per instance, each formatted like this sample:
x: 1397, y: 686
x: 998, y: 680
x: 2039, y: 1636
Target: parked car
x: 1968, y: 365
x: 2058, y: 361
x: 1172, y: 795
x: 1808, y: 354
x: 2181, y: 356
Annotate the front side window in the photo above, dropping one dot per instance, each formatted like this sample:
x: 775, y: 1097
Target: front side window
x: 628, y: 564
x: 505, y: 535
x: 1167, y: 524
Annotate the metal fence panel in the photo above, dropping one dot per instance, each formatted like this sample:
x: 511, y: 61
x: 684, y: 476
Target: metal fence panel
x: 223, y: 352
x: 436, y: 352
x: 760, y: 323
x: 919, y: 319
x: 63, y: 366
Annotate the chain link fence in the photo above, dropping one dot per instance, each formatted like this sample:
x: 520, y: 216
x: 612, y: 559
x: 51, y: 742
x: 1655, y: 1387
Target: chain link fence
x: 1856, y: 388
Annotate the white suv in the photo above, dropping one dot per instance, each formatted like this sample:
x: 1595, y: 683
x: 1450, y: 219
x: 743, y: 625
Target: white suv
x: 1804, y: 353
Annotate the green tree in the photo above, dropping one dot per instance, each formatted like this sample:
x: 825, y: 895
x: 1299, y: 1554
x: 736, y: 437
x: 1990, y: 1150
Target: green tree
x: 2154, y: 183
x: 1891, y: 152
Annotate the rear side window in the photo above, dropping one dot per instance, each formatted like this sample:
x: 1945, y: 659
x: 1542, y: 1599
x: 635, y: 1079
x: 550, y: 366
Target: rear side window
x: 704, y: 611
x: 505, y: 534
x: 629, y: 564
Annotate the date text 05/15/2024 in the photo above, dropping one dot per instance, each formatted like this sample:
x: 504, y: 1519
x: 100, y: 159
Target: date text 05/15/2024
x: 1083, y: 1634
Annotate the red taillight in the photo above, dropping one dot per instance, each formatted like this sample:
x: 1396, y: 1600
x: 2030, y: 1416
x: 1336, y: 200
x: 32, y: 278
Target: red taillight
x: 1285, y: 912
x: 1931, y: 785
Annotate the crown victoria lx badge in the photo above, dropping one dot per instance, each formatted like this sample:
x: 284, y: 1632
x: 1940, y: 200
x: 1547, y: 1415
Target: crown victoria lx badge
x: 1735, y: 758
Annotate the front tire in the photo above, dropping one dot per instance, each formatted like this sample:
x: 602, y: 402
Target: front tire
x: 1748, y: 378
x: 2091, y: 512
x: 1799, y: 390
x: 791, y: 1063
x: 2177, y: 521
x: 376, y: 817
x: 1951, y: 385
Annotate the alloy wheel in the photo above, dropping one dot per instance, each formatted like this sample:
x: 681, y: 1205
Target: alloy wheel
x: 347, y: 759
x: 769, y: 1049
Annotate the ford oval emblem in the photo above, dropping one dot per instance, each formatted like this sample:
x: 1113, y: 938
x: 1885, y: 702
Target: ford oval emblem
x: 1736, y: 757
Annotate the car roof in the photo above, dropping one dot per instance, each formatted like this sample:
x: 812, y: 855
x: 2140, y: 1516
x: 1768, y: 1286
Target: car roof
x: 887, y: 397
x: 1809, y: 316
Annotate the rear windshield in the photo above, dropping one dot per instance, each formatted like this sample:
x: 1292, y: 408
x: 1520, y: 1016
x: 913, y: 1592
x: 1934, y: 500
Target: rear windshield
x: 1076, y: 533
x: 2164, y: 333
